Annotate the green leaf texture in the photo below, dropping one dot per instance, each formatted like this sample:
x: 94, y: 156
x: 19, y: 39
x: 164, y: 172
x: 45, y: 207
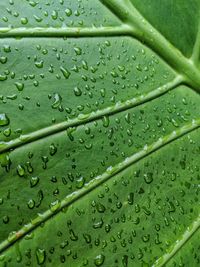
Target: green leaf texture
x: 99, y: 133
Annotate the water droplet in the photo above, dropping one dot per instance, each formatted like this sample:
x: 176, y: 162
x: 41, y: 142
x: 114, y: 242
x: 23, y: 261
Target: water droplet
x: 3, y: 77
x: 5, y: 161
x: 20, y: 170
x: 7, y: 48
x: 131, y: 198
x: 24, y: 21
x: 77, y: 91
x: 87, y: 238
x: 34, y: 181
x: 106, y: 121
x: 31, y: 204
x: 12, y: 236
x: 78, y: 51
x: 7, y: 132
x: 54, y: 14
x: 100, y: 207
x: 148, y: 177
x: 99, y: 260
x: 4, y: 120
x: 73, y: 236
x: 68, y: 12
x: 20, y: 86
x: 80, y: 182
x: 39, y: 64
x: 3, y: 60
x: 103, y: 92
x: 146, y: 238
x: 52, y: 149
x: 57, y: 101
x: 41, y: 256
x: 55, y: 205
x: 5, y: 219
x: 65, y: 72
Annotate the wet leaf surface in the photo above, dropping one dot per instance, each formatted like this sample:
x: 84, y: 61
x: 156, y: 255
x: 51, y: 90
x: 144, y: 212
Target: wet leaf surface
x: 99, y: 133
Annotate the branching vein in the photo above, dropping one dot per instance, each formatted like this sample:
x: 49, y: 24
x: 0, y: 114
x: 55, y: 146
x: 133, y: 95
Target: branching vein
x: 194, y: 227
x: 146, y: 33
x: 65, y: 32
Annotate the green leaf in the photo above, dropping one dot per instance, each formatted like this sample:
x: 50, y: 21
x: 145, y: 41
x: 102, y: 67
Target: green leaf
x: 99, y: 133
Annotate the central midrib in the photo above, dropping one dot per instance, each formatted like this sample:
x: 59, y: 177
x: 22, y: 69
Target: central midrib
x: 146, y: 33
x: 134, y: 25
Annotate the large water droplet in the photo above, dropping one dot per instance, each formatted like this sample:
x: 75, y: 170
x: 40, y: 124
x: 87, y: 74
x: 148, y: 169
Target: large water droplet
x: 4, y: 120
x: 41, y: 256
x: 58, y: 99
x: 99, y: 260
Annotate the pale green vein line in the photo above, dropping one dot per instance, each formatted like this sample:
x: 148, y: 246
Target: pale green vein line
x: 178, y: 244
x: 85, y: 118
x: 65, y: 32
x: 147, y: 34
x: 97, y: 181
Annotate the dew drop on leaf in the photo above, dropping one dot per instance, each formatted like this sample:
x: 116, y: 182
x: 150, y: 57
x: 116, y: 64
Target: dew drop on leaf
x: 39, y: 64
x: 20, y: 86
x: 65, y: 72
x: 148, y: 177
x: 68, y: 12
x: 41, y: 256
x: 77, y: 91
x: 34, y: 181
x: 55, y: 205
x: 20, y: 170
x: 31, y: 204
x: 4, y: 120
x: 99, y: 260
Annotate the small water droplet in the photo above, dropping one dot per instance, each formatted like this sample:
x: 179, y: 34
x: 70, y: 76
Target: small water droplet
x: 39, y: 64
x: 65, y: 72
x: 55, y: 205
x: 20, y: 170
x: 34, y: 181
x: 148, y: 177
x: 77, y: 91
x: 68, y: 12
x: 31, y: 204
x: 24, y: 21
x: 78, y: 51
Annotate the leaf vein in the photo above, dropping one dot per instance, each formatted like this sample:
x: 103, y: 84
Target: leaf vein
x: 97, y: 181
x: 190, y: 231
x: 85, y: 118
